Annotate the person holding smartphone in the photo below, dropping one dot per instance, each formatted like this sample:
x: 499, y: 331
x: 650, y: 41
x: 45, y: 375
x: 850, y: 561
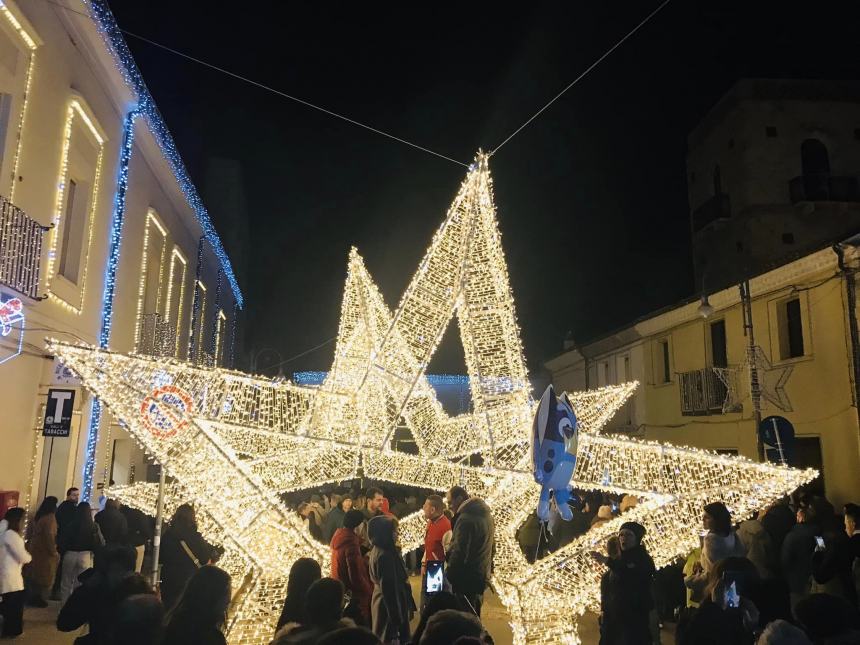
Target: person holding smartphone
x: 434, y: 550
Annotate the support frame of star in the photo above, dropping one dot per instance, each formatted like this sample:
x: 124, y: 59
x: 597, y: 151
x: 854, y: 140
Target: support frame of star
x: 232, y: 442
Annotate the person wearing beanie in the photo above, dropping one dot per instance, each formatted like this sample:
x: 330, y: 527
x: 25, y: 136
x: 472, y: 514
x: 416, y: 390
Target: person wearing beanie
x: 628, y: 587
x: 349, y: 566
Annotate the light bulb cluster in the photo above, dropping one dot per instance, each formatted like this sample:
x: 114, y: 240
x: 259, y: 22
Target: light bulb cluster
x: 235, y: 442
x: 75, y: 110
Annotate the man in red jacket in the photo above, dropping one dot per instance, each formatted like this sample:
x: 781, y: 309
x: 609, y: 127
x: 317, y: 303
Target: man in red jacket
x: 437, y: 526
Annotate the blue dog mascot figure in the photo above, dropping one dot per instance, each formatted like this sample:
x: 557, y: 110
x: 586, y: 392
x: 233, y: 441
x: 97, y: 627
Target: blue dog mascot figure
x: 554, y: 443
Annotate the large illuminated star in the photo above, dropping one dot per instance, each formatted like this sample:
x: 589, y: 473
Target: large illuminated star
x: 233, y: 442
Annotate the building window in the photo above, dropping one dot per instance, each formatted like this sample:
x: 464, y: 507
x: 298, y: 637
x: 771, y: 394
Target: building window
x: 74, y: 221
x: 770, y: 131
x: 790, y: 329
x: 719, y: 356
x: 663, y: 371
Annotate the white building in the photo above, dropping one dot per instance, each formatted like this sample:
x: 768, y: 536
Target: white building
x: 103, y: 240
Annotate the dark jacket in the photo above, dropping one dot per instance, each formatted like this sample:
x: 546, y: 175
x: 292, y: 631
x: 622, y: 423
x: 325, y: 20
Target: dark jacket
x: 65, y: 515
x: 333, y: 521
x: 625, y: 598
x: 796, y: 557
x: 94, y: 603
x: 296, y: 634
x: 832, y: 567
x: 140, y: 528
x: 713, y: 625
x: 778, y: 521
x: 391, y: 604
x: 470, y: 555
x: 114, y: 526
x: 349, y: 566
x: 72, y: 540
x: 175, y: 634
x: 177, y: 566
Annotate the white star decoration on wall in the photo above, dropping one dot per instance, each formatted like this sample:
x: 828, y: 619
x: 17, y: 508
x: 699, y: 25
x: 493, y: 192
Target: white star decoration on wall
x: 234, y: 442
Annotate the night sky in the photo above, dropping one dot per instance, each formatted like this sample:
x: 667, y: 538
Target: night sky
x: 591, y: 197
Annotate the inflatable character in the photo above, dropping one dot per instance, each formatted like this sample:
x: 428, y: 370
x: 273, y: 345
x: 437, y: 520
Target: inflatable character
x: 554, y: 442
x: 11, y: 312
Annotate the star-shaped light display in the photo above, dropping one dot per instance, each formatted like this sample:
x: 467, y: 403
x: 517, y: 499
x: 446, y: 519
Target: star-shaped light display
x: 234, y: 442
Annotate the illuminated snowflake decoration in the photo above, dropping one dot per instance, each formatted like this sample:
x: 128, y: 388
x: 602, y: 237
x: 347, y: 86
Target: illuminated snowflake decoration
x: 234, y: 442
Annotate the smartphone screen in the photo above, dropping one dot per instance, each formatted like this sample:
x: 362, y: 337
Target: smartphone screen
x: 731, y: 597
x: 435, y: 576
x: 819, y: 541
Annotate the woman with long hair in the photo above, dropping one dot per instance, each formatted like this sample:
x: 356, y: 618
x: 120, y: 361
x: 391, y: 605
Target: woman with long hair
x: 13, y: 556
x: 303, y: 573
x: 201, y: 611
x: 43, y: 548
x: 720, y: 542
x: 82, y: 539
x: 183, y: 552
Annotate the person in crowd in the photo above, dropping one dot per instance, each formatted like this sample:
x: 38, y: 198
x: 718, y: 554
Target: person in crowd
x: 350, y: 568
x: 452, y: 626
x: 93, y: 603
x: 375, y: 498
x: 312, y: 516
x: 782, y: 632
x: 65, y: 515
x: 609, y: 618
x: 828, y: 620
x: 400, y: 508
x: 759, y: 544
x: 140, y: 530
x: 604, y: 514
x: 112, y: 522
x: 43, y: 547
x: 13, y: 556
x: 436, y: 603
x: 852, y: 530
x: 796, y: 556
x: 79, y: 543
x: 334, y: 519
x: 470, y: 554
x: 183, y: 552
x: 391, y: 604
x: 139, y: 621
x: 350, y: 636
x: 437, y: 527
x: 778, y: 520
x: 628, y: 590
x: 832, y: 562
x: 303, y: 573
x: 628, y: 503
x: 201, y: 611
x: 720, y: 542
x: 324, y: 605
x: 728, y: 614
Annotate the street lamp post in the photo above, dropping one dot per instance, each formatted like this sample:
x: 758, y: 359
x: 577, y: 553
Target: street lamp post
x: 755, y: 386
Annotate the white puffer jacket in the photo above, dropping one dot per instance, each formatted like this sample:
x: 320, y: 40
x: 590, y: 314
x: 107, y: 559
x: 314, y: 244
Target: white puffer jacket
x: 13, y: 556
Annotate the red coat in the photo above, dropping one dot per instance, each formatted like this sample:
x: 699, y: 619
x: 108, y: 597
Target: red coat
x: 350, y: 567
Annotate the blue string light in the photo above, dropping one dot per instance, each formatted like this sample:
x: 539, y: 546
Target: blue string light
x: 109, y: 291
x: 146, y: 105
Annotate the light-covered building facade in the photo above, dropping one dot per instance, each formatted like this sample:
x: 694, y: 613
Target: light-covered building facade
x: 103, y: 240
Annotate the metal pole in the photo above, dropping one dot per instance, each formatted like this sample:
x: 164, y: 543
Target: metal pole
x: 159, y: 520
x: 755, y: 387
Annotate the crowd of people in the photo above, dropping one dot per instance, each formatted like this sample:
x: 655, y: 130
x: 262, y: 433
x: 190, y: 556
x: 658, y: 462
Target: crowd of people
x: 788, y: 576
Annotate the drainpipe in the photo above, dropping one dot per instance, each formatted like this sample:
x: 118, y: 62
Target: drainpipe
x: 854, y: 335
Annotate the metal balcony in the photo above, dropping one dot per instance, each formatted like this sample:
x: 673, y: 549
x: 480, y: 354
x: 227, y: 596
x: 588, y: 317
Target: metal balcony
x: 824, y: 187
x: 20, y: 249
x: 702, y: 392
x: 715, y: 208
x: 157, y: 337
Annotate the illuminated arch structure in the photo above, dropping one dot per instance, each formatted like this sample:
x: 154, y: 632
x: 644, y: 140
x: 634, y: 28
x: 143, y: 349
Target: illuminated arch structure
x: 234, y: 442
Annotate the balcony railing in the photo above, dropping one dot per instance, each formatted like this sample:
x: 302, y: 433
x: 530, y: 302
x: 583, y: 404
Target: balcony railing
x: 824, y: 187
x: 157, y: 337
x: 715, y: 208
x: 20, y: 249
x: 702, y: 392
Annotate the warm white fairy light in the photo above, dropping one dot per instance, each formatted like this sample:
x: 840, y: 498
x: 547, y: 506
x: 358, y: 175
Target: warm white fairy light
x: 220, y: 325
x: 234, y: 442
x: 75, y: 109
x: 151, y: 220
x: 176, y: 257
x: 30, y: 43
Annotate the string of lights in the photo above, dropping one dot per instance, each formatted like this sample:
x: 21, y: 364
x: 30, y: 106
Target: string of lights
x: 235, y: 442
